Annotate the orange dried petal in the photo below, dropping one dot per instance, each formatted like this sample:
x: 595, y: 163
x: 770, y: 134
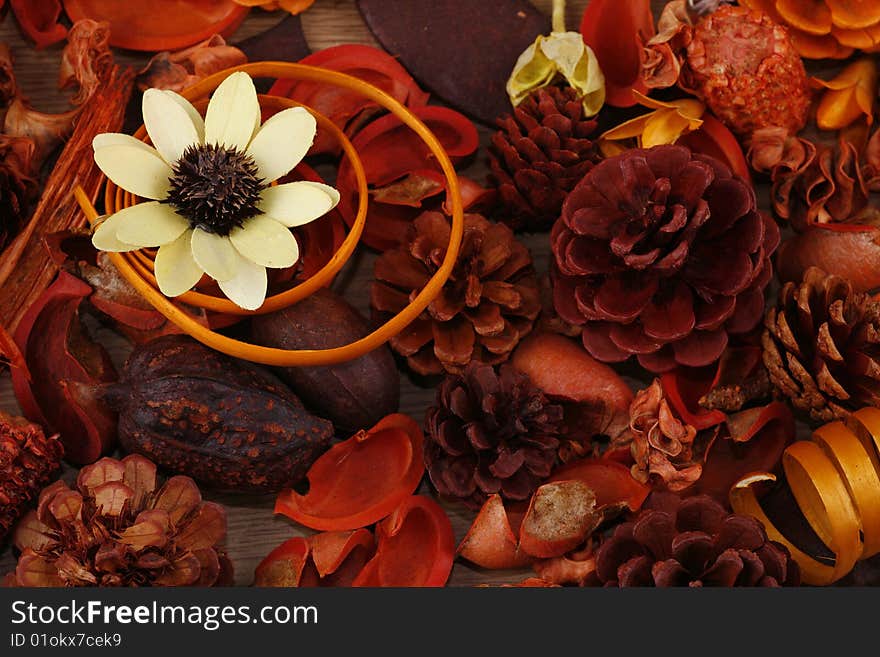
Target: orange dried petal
x: 810, y: 16
x: 284, y: 565
x: 766, y: 7
x: 561, y: 516
x: 854, y: 14
x: 812, y: 46
x: 854, y: 38
x: 490, y: 541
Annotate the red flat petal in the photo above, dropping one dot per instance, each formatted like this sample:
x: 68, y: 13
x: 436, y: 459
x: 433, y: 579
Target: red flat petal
x: 596, y: 339
x: 610, y: 481
x: 615, y: 31
x: 360, y: 480
x: 416, y: 547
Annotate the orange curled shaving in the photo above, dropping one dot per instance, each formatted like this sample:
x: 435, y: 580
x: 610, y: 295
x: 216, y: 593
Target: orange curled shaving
x: 849, y: 96
x: 834, y: 478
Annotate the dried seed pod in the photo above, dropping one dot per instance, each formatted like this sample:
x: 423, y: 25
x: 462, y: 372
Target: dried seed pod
x: 28, y: 460
x: 353, y: 395
x: 222, y: 421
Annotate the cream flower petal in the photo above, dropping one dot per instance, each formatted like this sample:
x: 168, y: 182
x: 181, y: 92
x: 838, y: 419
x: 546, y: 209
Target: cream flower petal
x: 104, y: 238
x: 138, y: 170
x: 232, y: 112
x: 266, y: 242
x: 193, y: 113
x: 150, y: 224
x: 248, y: 287
x: 175, y: 268
x: 298, y: 203
x: 118, y: 139
x: 169, y: 125
x: 282, y: 142
x: 215, y: 255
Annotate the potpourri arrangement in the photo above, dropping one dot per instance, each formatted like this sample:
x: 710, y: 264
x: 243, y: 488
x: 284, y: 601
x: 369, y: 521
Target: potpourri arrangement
x: 629, y: 268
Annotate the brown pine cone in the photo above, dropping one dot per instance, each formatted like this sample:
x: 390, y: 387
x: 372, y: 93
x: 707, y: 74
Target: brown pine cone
x: 662, y: 444
x: 116, y: 528
x: 822, y: 346
x: 17, y: 186
x: 487, y: 306
x: 490, y: 433
x: 693, y: 543
x: 540, y: 153
x: 28, y: 461
x: 661, y: 254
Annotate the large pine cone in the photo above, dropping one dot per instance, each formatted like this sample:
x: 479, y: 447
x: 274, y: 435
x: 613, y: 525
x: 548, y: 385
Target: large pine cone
x: 822, y: 346
x: 117, y: 528
x: 487, y: 306
x: 661, y: 253
x: 540, y: 153
x: 28, y: 461
x: 490, y: 433
x: 695, y: 542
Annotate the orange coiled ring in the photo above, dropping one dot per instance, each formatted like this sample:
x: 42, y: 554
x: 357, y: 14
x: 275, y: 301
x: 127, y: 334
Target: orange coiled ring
x: 136, y: 267
x: 835, y: 479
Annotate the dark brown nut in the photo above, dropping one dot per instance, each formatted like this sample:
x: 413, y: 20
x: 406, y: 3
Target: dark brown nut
x: 222, y: 421
x: 353, y: 395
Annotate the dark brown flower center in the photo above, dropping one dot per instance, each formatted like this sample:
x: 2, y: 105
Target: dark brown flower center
x: 215, y: 188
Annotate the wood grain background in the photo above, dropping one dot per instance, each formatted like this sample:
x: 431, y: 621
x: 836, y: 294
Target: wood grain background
x: 253, y: 529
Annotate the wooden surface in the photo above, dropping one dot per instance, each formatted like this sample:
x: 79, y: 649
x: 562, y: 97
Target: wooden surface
x: 253, y: 529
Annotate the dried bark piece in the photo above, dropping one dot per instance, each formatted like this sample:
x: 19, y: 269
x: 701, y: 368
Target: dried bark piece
x: 26, y: 268
x: 444, y: 45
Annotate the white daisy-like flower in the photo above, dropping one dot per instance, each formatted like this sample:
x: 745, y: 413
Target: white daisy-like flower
x: 211, y: 208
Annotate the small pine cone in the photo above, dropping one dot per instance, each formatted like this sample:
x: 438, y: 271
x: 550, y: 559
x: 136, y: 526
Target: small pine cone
x: 746, y: 69
x: 28, y: 461
x: 490, y: 433
x: 117, y: 528
x: 693, y: 543
x: 540, y: 153
x: 487, y: 306
x: 662, y: 444
x: 822, y: 346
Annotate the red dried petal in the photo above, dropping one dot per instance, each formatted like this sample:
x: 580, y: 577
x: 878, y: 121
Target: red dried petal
x: 360, y: 480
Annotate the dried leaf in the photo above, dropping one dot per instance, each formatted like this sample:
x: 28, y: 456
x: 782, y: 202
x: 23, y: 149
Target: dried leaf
x: 481, y: 42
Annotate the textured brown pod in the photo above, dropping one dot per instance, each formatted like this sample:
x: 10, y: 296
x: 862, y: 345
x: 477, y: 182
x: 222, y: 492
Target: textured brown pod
x: 352, y: 395
x: 222, y: 421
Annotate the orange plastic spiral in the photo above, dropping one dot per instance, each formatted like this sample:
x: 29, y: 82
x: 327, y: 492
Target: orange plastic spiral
x: 835, y: 479
x: 135, y: 267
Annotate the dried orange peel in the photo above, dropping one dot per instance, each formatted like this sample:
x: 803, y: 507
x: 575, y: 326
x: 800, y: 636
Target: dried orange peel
x: 135, y: 272
x: 849, y: 96
x: 835, y: 479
